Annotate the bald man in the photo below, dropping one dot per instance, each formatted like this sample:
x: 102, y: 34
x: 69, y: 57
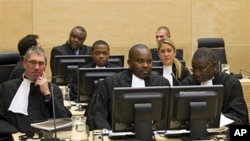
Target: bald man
x: 138, y: 75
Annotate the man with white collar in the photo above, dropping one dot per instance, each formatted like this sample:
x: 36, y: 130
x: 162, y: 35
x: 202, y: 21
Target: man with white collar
x: 100, y: 54
x: 139, y: 74
x: 205, y: 73
x: 28, y: 99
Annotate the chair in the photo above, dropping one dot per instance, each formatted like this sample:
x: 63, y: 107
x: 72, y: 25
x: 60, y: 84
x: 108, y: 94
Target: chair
x: 8, y: 61
x: 218, y: 46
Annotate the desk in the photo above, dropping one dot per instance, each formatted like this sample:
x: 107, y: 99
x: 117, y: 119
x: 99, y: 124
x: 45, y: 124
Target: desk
x: 246, y: 91
x: 160, y: 138
x: 93, y: 137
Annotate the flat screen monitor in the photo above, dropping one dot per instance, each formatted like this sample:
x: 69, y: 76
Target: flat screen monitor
x: 117, y: 59
x: 89, y: 78
x: 66, y: 65
x: 140, y: 110
x: 195, y: 108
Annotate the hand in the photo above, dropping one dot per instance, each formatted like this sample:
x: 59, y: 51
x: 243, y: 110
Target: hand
x: 42, y: 82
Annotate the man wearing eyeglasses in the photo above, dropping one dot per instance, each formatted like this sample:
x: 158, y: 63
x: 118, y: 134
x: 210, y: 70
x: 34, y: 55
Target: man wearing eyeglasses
x: 205, y: 73
x: 28, y: 99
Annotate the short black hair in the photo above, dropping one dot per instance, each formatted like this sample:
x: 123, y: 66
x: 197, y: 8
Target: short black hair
x: 204, y: 52
x: 99, y: 42
x: 135, y: 47
x: 27, y: 42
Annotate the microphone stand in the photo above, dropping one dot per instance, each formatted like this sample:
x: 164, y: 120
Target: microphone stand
x: 54, y: 118
x: 176, y: 79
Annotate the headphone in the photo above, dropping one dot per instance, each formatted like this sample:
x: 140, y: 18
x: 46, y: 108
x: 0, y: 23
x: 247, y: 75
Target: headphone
x: 29, y: 134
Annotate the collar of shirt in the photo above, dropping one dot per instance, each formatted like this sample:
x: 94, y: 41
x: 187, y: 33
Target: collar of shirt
x: 137, y: 82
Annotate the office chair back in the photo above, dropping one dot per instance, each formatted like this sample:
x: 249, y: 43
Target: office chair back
x: 218, y: 46
x: 8, y: 61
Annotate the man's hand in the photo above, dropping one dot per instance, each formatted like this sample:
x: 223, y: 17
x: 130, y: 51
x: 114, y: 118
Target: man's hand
x: 42, y: 82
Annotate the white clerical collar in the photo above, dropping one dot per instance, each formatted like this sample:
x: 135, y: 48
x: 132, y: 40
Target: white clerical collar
x: 208, y: 82
x: 137, y: 82
x: 19, y: 103
x: 102, y: 67
x: 167, y: 70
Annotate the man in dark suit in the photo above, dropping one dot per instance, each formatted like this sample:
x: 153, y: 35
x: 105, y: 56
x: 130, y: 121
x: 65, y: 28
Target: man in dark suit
x: 100, y: 56
x: 74, y: 45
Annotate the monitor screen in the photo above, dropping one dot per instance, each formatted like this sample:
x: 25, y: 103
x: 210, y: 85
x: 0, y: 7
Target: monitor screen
x: 117, y: 59
x: 195, y: 108
x: 66, y: 65
x: 140, y: 110
x: 88, y: 80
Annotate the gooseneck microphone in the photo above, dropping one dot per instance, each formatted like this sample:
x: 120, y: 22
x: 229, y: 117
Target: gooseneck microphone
x: 241, y: 70
x: 175, y: 78
x: 54, y: 117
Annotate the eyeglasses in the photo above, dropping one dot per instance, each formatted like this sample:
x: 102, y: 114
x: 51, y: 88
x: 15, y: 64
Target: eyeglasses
x: 200, y: 70
x: 34, y: 63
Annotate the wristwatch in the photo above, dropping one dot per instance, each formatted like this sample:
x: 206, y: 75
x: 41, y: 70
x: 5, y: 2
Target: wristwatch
x: 47, y: 98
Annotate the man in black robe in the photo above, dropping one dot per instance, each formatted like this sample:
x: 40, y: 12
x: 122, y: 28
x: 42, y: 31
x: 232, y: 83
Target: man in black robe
x: 205, y: 73
x: 99, y: 114
x: 28, y: 99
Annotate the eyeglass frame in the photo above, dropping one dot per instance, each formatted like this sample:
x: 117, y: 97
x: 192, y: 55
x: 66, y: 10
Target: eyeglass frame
x: 201, y: 70
x: 35, y: 62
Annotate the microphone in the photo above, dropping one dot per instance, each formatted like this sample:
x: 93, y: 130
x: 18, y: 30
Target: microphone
x: 176, y: 79
x: 54, y: 117
x: 241, y: 70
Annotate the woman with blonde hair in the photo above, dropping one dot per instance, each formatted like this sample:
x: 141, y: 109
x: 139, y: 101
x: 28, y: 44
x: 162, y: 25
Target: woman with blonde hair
x: 173, y: 70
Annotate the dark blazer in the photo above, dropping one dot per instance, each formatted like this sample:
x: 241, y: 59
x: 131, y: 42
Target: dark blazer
x: 74, y: 83
x: 65, y: 49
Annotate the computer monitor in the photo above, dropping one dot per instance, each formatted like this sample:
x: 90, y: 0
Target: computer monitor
x: 140, y: 110
x: 89, y: 78
x: 195, y: 108
x: 66, y: 65
x: 117, y: 59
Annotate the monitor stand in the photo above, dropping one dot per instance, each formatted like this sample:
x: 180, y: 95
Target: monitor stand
x: 198, y: 122
x: 143, y: 122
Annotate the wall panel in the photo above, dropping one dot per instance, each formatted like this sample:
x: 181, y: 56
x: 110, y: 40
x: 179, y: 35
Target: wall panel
x: 124, y: 23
